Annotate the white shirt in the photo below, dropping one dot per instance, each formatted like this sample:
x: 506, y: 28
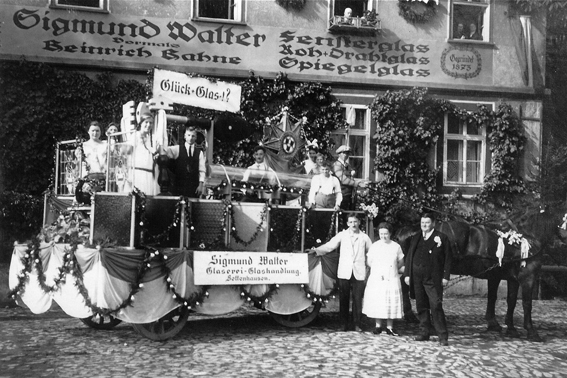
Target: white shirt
x: 173, y: 153
x: 325, y: 185
x: 352, y: 254
x: 426, y: 235
x: 259, y: 172
x: 309, y: 165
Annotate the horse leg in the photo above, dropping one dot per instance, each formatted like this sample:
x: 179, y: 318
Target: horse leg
x: 511, y: 300
x: 527, y: 281
x: 490, y: 316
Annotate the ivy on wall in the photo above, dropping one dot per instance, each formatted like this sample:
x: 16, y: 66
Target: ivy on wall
x: 41, y: 105
x: 409, y: 123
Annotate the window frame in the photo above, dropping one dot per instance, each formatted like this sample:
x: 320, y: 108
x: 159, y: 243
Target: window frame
x: 465, y: 137
x: 486, y: 31
x: 369, y: 5
x: 352, y: 132
x: 240, y: 11
x: 102, y: 8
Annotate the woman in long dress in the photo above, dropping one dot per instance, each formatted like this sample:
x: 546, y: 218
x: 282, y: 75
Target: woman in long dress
x: 383, y: 294
x: 146, y: 151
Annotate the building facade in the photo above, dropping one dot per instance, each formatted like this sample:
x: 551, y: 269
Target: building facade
x: 468, y: 52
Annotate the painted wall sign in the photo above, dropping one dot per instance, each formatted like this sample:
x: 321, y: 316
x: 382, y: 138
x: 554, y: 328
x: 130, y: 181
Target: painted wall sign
x: 246, y: 268
x: 196, y: 91
x: 112, y: 40
x: 461, y: 62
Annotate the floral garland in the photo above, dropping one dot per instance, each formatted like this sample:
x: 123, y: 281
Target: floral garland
x: 513, y: 238
x: 238, y: 184
x: 259, y: 227
x: 195, y: 299
x: 320, y: 298
x: 259, y: 301
x: 417, y: 11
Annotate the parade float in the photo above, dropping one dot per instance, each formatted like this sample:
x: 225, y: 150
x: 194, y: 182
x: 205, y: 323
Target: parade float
x: 108, y: 252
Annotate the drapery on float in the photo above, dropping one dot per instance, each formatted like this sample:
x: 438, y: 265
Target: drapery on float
x: 151, y: 261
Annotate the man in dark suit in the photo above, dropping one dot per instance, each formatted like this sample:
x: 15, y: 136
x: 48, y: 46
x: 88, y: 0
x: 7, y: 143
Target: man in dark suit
x: 428, y: 263
x: 189, y: 166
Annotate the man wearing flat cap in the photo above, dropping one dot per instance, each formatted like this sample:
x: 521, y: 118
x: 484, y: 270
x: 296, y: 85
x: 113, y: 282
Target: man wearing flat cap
x: 342, y: 171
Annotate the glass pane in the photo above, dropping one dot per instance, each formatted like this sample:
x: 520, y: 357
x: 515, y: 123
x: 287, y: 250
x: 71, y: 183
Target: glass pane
x: 473, y: 128
x: 356, y: 165
x: 473, y: 161
x: 216, y: 9
x: 81, y: 3
x: 356, y: 143
x: 360, y: 119
x: 473, y: 150
x: 468, y: 21
x: 356, y: 6
x: 120, y: 172
x: 454, y: 125
x: 336, y: 141
x: 455, y: 160
x: 473, y: 172
x: 69, y: 169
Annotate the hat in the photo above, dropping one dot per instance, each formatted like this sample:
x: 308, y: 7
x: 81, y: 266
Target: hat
x: 343, y: 148
x: 145, y: 116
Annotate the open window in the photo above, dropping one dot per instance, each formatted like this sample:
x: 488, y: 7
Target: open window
x: 353, y: 15
x: 470, y: 20
x: 86, y: 5
x: 357, y: 137
x: 465, y: 154
x: 227, y: 10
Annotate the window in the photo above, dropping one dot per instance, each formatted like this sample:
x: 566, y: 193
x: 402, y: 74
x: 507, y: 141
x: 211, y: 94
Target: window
x: 470, y: 20
x: 232, y: 10
x: 464, y: 150
x: 357, y: 137
x: 347, y: 14
x: 88, y: 5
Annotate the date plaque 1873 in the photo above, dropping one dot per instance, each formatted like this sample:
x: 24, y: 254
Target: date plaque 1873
x: 461, y: 62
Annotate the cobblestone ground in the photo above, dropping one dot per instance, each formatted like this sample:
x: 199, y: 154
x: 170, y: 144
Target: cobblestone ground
x: 249, y: 343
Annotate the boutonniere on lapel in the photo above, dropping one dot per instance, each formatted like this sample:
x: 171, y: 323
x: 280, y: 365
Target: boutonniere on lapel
x: 437, y: 240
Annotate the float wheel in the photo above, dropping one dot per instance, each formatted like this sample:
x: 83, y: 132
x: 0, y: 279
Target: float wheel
x: 165, y: 327
x: 101, y: 321
x: 299, y: 319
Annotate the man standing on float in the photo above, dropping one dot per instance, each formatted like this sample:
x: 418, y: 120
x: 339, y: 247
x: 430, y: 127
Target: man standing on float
x: 189, y: 166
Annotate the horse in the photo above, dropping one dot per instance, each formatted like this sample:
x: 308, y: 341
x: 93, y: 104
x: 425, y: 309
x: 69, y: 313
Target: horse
x: 474, y: 249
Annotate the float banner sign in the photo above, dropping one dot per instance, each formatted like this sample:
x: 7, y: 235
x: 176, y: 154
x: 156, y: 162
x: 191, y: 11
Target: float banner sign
x: 196, y: 91
x: 245, y: 268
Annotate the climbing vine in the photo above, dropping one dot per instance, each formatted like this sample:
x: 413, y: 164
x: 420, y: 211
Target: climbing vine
x: 409, y: 123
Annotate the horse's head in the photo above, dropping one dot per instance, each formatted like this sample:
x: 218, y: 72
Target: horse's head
x: 403, y: 234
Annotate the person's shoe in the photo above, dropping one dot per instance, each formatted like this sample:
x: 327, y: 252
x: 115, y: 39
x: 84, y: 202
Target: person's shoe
x: 357, y: 329
x: 422, y: 338
x: 411, y: 318
x: 391, y: 332
x: 377, y: 330
x: 444, y: 342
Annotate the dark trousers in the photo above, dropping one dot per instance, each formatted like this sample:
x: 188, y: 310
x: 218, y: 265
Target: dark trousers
x: 344, y: 300
x: 405, y: 297
x: 429, y: 299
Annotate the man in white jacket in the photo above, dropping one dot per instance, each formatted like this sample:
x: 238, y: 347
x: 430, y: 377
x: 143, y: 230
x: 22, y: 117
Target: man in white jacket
x: 351, y: 272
